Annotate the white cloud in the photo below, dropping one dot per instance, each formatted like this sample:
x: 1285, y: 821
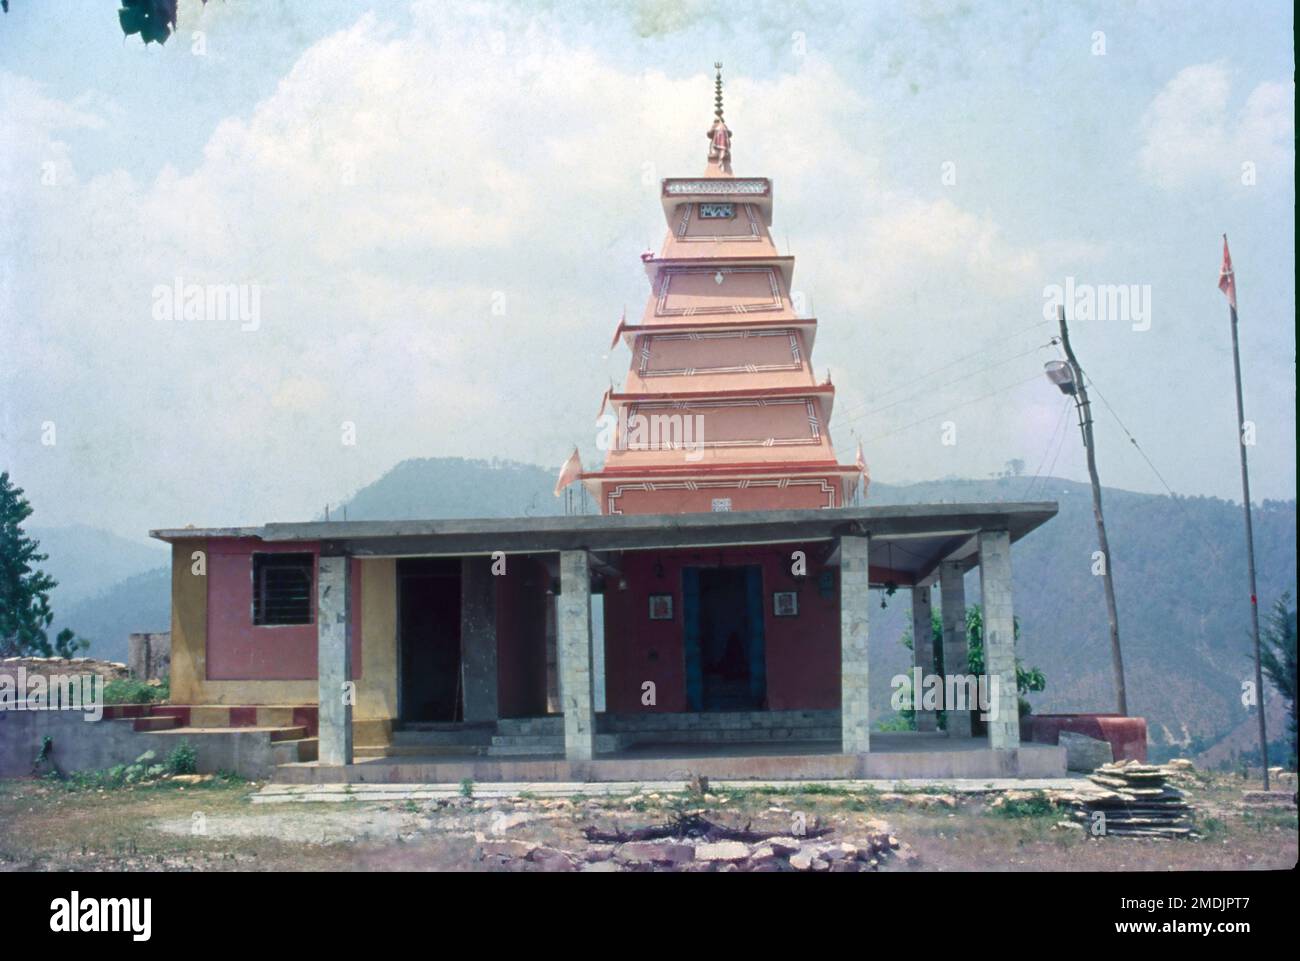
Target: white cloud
x: 1194, y: 134
x: 389, y: 192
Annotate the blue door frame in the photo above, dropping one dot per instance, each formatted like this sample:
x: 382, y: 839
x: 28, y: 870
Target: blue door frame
x: 755, y: 647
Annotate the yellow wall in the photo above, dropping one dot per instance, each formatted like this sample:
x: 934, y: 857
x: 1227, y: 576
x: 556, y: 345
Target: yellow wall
x: 376, y: 690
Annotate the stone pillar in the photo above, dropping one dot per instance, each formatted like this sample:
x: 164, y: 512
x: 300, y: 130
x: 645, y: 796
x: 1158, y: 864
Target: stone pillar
x: 952, y: 603
x: 334, y: 659
x: 999, y: 639
x: 573, y: 641
x: 478, y: 638
x: 855, y: 603
x: 922, y: 654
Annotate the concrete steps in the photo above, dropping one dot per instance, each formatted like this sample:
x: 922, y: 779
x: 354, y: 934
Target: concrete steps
x: 162, y: 722
x: 296, y: 751
x: 419, y: 750
x: 289, y: 733
x: 525, y: 745
x: 459, y: 735
x: 432, y: 739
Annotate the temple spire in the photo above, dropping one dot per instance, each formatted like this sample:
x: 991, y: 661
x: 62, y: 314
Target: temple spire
x: 717, y: 95
x: 719, y: 134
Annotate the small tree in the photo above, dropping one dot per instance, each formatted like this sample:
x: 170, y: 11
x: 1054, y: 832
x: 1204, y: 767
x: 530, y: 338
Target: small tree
x: 25, y: 613
x: 1277, y: 658
x: 1028, y: 680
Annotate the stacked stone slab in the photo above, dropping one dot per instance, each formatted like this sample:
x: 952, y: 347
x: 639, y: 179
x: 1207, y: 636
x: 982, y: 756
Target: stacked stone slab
x: 1136, y: 800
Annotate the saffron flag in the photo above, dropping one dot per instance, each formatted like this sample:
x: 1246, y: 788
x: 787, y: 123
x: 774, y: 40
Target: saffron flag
x: 569, y: 472
x: 863, y: 470
x: 1227, y: 280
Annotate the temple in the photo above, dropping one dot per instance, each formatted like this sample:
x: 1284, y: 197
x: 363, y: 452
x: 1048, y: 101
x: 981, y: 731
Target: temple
x: 720, y: 410
x: 713, y: 617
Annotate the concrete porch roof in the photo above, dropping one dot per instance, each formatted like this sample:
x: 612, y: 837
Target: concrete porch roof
x: 911, y: 539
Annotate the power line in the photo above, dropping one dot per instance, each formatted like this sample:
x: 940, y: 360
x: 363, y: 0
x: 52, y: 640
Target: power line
x: 975, y: 353
x: 967, y: 403
x: 1060, y: 446
x: 921, y: 393
x: 1132, y: 439
x: 1173, y: 498
x: 1065, y: 410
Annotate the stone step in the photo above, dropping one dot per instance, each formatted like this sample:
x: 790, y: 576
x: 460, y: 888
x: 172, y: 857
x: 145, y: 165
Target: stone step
x: 467, y: 737
x: 522, y: 745
x: 526, y: 750
x: 162, y: 722
x: 289, y: 733
x: 291, y: 752
x: 524, y: 740
x: 736, y: 735
x: 420, y: 750
x: 514, y: 726
x: 446, y: 726
x: 719, y: 720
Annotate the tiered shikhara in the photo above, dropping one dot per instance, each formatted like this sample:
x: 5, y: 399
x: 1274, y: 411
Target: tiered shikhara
x: 720, y: 409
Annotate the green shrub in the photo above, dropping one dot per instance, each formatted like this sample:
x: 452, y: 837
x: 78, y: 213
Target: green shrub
x: 130, y: 691
x: 183, y: 760
x: 1037, y: 806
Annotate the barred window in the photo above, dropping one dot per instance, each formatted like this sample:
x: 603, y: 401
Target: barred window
x: 282, y: 587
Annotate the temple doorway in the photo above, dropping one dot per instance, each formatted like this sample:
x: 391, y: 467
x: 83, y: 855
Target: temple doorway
x: 725, y: 655
x: 428, y: 601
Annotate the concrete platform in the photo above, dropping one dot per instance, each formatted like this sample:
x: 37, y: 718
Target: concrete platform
x: 893, y: 756
x: 332, y: 793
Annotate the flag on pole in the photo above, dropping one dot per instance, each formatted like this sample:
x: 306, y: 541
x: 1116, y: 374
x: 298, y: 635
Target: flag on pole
x: 863, y: 470
x: 569, y: 472
x: 1227, y: 280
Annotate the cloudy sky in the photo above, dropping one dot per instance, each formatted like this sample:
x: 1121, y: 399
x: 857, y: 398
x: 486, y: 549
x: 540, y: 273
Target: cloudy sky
x: 441, y: 206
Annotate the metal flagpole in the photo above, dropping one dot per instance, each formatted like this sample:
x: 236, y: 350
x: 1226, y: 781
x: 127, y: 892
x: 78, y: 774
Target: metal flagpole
x: 1231, y: 284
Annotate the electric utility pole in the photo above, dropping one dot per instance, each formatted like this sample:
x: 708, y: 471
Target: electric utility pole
x: 1081, y: 404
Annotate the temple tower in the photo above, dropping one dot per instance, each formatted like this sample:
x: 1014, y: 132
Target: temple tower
x: 720, y: 409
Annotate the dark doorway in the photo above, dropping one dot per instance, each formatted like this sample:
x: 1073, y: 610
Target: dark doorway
x: 725, y: 656
x: 428, y: 601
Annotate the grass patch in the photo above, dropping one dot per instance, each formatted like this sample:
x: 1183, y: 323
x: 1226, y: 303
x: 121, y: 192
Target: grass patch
x: 1037, y: 805
x: 130, y: 691
x: 1211, y: 828
x: 1268, y: 820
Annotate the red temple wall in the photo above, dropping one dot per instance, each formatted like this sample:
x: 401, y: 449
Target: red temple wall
x: 238, y: 650
x: 803, y: 652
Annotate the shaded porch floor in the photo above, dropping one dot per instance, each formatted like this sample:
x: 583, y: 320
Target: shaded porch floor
x: 893, y: 755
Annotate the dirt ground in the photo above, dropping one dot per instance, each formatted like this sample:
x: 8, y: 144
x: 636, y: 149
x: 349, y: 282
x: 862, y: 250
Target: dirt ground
x: 214, y: 826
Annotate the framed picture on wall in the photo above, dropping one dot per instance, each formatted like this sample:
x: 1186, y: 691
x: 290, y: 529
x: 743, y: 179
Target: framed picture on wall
x: 661, y: 607
x: 785, y: 603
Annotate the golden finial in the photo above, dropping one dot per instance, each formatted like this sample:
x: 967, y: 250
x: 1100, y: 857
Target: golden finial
x: 717, y: 97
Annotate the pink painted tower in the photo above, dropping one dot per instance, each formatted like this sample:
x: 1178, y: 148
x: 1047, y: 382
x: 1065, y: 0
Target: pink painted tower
x: 720, y: 409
